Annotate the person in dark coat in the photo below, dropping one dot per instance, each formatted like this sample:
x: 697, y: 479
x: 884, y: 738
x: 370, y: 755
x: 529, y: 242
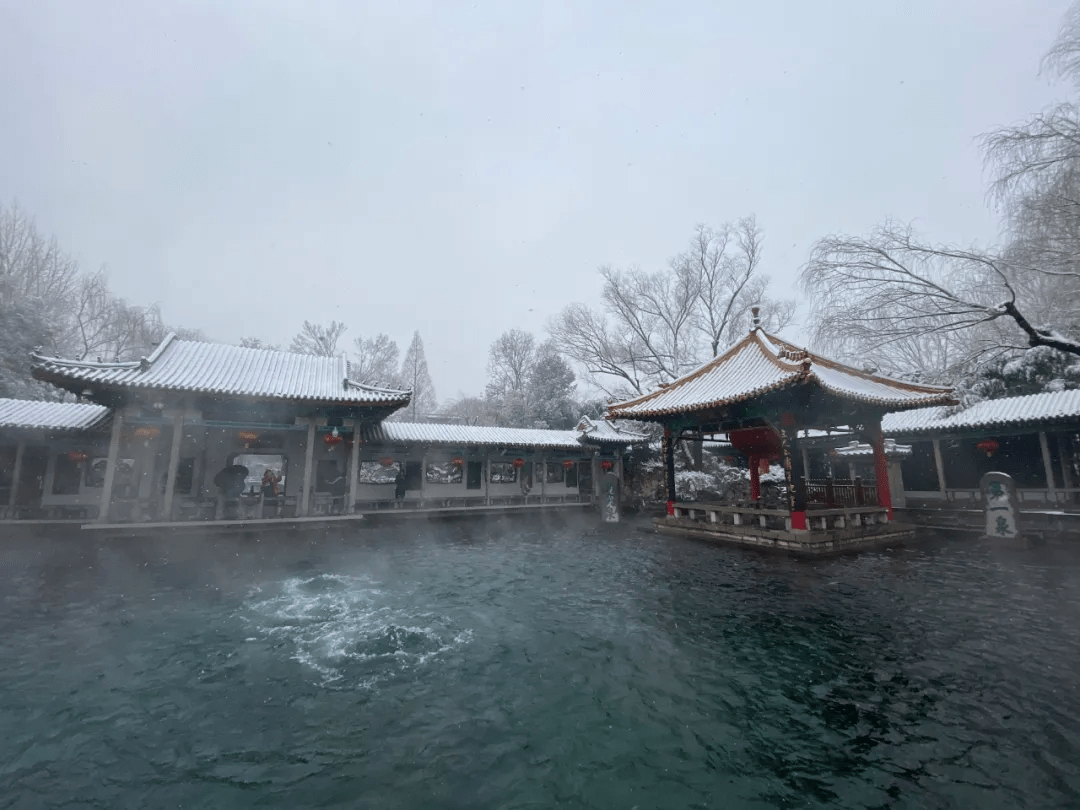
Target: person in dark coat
x: 399, y: 485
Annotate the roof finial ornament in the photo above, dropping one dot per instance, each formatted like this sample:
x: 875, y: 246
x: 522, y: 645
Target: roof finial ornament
x: 756, y: 324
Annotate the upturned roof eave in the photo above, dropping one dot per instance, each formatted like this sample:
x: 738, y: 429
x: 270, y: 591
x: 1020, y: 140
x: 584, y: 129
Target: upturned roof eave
x: 797, y: 379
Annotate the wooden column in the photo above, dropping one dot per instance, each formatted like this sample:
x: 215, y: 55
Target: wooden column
x: 354, y: 470
x: 1064, y: 457
x: 755, y: 478
x: 16, y: 474
x: 805, y: 459
x: 669, y: 464
x: 487, y: 477
x: 543, y: 478
x: 939, y: 462
x: 304, y: 500
x: 881, y: 468
x: 795, y: 475
x: 1048, y: 466
x: 174, y: 461
x: 110, y: 465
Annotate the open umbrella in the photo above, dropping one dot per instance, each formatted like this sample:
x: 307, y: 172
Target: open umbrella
x: 231, y: 479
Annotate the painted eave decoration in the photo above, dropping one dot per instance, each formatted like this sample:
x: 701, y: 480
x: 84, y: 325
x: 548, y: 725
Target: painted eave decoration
x: 760, y: 363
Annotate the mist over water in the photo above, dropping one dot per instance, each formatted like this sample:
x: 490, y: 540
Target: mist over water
x: 535, y: 663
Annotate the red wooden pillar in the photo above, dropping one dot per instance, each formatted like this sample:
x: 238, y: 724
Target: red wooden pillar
x: 796, y: 478
x: 755, y: 477
x: 881, y: 467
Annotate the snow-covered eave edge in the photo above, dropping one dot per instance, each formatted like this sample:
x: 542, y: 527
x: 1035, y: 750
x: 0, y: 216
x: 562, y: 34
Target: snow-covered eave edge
x: 894, y: 406
x: 949, y: 427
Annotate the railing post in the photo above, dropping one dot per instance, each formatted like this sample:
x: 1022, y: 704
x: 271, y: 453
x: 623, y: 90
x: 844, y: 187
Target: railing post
x: 858, y: 491
x: 830, y: 492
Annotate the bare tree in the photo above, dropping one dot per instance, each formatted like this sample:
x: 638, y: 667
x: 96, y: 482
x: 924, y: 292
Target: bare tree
x: 258, y: 343
x: 880, y: 296
x: 651, y: 324
x: 375, y: 360
x: 1063, y: 58
x: 607, y: 355
x: 936, y: 309
x: 725, y: 261
x: 315, y: 338
x: 467, y: 410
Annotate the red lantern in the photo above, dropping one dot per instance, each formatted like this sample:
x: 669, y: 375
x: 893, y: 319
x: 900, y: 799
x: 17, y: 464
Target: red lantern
x: 147, y: 434
x: 457, y: 461
x: 988, y: 446
x: 78, y: 456
x: 569, y: 463
x: 332, y: 439
x: 247, y: 437
x: 519, y: 463
x: 386, y: 461
x: 606, y: 465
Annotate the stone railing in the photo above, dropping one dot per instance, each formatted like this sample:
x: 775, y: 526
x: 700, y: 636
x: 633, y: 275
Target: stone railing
x: 753, y: 517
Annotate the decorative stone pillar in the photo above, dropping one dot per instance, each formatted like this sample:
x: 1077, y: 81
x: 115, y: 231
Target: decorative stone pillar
x: 1002, y: 509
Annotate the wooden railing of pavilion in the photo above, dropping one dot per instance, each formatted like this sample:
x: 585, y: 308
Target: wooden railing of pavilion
x: 832, y: 492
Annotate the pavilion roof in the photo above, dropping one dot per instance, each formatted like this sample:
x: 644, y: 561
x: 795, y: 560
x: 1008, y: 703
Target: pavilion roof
x: 34, y: 415
x: 761, y: 363
x: 216, y: 368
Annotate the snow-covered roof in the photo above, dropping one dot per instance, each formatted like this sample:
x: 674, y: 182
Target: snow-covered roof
x: 215, y: 368
x: 29, y: 414
x: 1053, y: 407
x: 601, y: 430
x: 760, y: 363
x: 857, y: 449
x: 461, y: 435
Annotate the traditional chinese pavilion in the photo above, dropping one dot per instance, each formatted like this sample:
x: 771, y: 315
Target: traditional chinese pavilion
x: 760, y: 394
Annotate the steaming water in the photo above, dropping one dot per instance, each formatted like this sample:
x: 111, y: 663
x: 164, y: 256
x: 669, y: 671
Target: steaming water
x: 517, y: 664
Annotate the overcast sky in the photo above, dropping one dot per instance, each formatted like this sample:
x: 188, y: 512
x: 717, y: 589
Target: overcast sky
x: 463, y: 168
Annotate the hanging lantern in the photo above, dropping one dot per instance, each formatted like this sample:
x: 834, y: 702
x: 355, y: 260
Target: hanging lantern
x: 332, y: 440
x: 386, y: 461
x: 988, y: 446
x: 457, y: 461
x: 569, y: 463
x: 78, y: 456
x: 606, y: 465
x: 518, y: 463
x: 147, y: 433
x: 247, y: 437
